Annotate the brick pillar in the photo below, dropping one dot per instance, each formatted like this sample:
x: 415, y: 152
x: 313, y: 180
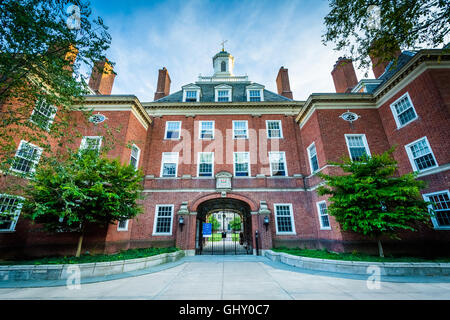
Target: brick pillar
x: 378, y: 66
x: 102, y: 78
x: 283, y: 86
x: 163, y: 86
x: 185, y: 239
x: 344, y: 76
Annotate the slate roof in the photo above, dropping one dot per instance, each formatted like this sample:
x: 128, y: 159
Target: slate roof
x: 238, y: 93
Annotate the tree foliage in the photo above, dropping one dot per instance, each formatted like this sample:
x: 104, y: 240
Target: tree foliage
x: 82, y: 190
x: 236, y: 224
x: 384, y: 26
x: 215, y: 224
x: 372, y: 200
x: 39, y: 41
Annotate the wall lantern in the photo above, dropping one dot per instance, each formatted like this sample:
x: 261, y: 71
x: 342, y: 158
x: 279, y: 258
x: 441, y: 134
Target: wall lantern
x: 266, y: 222
x: 181, y: 222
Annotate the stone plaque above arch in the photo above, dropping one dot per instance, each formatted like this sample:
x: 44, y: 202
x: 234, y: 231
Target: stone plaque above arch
x: 223, y: 180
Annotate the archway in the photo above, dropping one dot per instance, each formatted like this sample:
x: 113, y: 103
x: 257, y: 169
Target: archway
x: 224, y: 226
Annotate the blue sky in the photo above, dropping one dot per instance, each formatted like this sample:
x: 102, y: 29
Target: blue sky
x: 183, y: 36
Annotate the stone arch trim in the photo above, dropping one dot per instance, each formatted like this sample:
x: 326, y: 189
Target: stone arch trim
x: 195, y: 204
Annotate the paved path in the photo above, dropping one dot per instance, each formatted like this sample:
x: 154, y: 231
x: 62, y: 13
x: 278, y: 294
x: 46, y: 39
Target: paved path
x: 238, y: 278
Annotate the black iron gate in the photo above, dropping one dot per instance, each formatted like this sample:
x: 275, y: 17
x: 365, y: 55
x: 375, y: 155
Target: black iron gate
x: 229, y: 234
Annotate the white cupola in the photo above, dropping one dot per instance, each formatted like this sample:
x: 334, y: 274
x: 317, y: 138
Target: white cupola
x: 223, y: 64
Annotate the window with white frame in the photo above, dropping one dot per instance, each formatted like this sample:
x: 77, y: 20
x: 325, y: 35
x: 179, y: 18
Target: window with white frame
x: 10, y: 207
x: 26, y: 159
x: 173, y: 129
x: 122, y: 225
x: 284, y: 219
x: 191, y: 96
x: 169, y: 164
x: 43, y: 114
x: 240, y: 130
x: 134, y: 157
x: 312, y: 154
x: 91, y: 143
x: 163, y: 220
x: 242, y: 164
x: 274, y: 129
x: 277, y: 164
x: 441, y: 205
x: 223, y: 95
x: 323, y: 215
x: 357, y: 146
x: 403, y: 111
x: 254, y: 95
x: 205, y: 164
x: 420, y: 155
x: 206, y: 130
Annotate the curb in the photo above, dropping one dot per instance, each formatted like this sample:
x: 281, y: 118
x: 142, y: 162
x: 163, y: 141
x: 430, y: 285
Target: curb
x: 361, y: 267
x: 87, y: 270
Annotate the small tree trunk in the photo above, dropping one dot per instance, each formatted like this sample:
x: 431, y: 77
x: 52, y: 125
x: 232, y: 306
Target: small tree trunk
x: 80, y: 242
x: 380, y: 249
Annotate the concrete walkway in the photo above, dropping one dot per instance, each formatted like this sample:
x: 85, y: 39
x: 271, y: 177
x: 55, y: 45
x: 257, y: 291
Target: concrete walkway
x: 234, y: 278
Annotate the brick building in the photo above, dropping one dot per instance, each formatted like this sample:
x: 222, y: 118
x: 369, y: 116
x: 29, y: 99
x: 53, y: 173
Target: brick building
x: 226, y: 145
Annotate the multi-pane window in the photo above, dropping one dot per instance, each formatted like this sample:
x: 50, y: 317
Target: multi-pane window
x: 403, y: 111
x: 241, y: 164
x: 420, y: 155
x: 122, y: 225
x: 206, y: 130
x: 357, y: 146
x: 163, y: 220
x: 323, y: 215
x: 254, y: 95
x: 277, y: 164
x: 26, y: 159
x: 274, y: 129
x: 441, y: 206
x: 43, y: 114
x: 134, y: 158
x: 10, y: 207
x: 169, y: 164
x: 91, y: 143
x: 284, y: 219
x: 223, y: 95
x: 173, y: 130
x: 191, y: 96
x: 205, y: 164
x: 312, y: 153
x: 240, y: 129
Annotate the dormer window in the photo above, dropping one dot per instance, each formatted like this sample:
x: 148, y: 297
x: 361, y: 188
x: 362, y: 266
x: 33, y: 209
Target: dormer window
x: 254, y: 95
x: 191, y: 93
x: 255, y: 92
x: 191, y: 96
x: 223, y: 93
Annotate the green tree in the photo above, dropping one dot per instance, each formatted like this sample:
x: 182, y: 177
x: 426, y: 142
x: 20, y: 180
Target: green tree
x: 382, y: 26
x: 44, y: 46
x: 215, y: 224
x: 236, y: 224
x: 371, y: 200
x: 84, y: 189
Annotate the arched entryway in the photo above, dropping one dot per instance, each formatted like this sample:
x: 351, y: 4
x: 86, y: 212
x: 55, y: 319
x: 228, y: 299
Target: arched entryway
x: 223, y: 226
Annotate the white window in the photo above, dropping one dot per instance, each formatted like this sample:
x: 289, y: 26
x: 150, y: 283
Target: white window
x: 206, y: 130
x: 91, y: 143
x: 191, y: 96
x: 441, y: 206
x: 205, y: 167
x: 420, y: 155
x: 284, y: 218
x: 240, y: 129
x: 173, y: 130
x: 223, y: 95
x: 274, y: 129
x: 254, y: 95
x: 135, y: 154
x: 26, y: 159
x: 312, y: 154
x: 357, y: 146
x: 169, y: 164
x: 278, y: 164
x: 122, y: 225
x: 43, y: 114
x: 163, y: 220
x: 403, y: 111
x: 10, y: 207
x: 242, y: 164
x: 323, y: 215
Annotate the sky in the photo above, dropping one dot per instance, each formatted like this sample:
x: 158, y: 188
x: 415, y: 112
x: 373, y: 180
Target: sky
x: 183, y: 36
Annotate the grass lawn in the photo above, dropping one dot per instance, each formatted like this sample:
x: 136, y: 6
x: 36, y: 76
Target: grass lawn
x: 86, y: 258
x: 356, y: 256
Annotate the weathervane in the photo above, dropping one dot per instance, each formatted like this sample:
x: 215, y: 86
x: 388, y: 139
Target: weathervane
x: 223, y: 44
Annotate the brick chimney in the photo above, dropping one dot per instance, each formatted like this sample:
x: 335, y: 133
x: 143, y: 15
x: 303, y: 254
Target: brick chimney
x: 344, y: 76
x: 283, y: 86
x: 378, y: 66
x: 102, y: 78
x: 163, y: 86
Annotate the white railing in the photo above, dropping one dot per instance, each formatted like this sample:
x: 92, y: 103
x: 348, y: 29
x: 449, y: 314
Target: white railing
x: 222, y: 79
